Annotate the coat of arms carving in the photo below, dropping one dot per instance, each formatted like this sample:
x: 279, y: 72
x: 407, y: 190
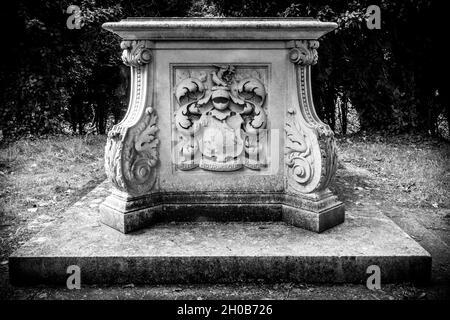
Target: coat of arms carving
x: 220, y: 119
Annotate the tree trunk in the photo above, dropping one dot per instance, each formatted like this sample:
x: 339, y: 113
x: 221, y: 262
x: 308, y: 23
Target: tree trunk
x: 344, y: 112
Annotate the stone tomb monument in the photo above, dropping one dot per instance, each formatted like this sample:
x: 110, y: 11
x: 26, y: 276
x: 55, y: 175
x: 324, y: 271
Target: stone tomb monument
x: 221, y: 125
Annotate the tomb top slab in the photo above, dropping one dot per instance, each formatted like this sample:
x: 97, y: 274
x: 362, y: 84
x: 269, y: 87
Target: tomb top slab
x: 220, y: 28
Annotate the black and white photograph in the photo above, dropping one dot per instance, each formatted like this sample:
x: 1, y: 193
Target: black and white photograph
x: 225, y: 155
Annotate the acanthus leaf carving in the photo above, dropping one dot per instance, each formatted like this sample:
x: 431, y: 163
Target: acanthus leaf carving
x: 143, y: 156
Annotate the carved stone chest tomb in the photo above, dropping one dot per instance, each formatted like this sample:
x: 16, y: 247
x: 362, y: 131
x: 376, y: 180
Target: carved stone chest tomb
x: 221, y: 125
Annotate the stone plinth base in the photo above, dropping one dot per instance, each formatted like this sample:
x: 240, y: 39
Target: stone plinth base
x: 213, y: 252
x: 131, y: 214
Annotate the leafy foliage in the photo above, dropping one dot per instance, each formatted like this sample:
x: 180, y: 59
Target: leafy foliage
x: 60, y: 80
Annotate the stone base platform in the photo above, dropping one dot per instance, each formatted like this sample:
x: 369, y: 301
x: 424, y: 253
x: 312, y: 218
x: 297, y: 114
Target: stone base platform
x: 214, y: 252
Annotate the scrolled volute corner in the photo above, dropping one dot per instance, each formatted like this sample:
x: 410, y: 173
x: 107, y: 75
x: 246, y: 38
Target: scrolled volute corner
x: 131, y: 152
x: 135, y: 53
x: 310, y: 155
x: 298, y: 155
x: 304, y: 53
x: 131, y: 157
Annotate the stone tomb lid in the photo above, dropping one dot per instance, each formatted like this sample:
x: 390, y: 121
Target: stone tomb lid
x: 220, y: 28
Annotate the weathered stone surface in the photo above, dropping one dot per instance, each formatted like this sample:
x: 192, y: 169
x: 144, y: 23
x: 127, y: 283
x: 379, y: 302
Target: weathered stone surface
x: 314, y: 221
x: 217, y: 252
x: 221, y: 117
x: 220, y: 28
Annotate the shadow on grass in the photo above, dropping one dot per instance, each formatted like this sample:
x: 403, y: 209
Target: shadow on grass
x: 86, y: 188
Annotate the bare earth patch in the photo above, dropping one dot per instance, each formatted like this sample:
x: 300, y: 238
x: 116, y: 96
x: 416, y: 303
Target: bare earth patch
x: 406, y: 178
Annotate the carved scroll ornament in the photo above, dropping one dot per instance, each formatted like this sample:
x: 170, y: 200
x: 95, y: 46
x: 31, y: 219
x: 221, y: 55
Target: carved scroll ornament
x: 131, y: 153
x: 310, y: 146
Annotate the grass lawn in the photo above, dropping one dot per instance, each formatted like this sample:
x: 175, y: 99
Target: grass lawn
x: 410, y: 171
x: 40, y: 178
x: 406, y: 177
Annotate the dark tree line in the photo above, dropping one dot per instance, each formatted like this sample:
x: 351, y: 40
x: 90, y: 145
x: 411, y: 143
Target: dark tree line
x: 55, y: 79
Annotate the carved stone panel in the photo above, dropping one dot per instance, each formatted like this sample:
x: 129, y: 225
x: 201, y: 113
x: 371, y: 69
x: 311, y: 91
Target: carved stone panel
x: 220, y: 117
